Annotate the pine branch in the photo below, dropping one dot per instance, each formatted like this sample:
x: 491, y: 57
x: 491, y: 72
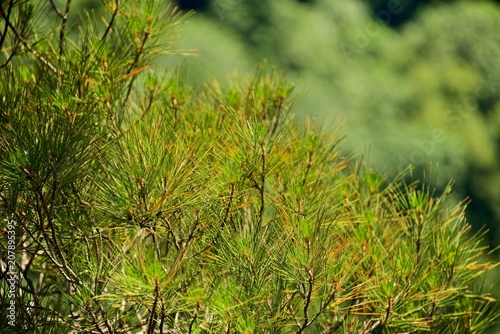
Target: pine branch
x: 112, y: 21
x: 34, y: 52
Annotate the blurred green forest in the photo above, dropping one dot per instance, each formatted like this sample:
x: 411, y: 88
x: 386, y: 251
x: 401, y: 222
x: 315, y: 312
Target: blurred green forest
x: 412, y: 82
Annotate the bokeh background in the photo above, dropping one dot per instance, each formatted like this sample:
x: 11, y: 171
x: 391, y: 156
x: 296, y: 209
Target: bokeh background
x: 411, y: 82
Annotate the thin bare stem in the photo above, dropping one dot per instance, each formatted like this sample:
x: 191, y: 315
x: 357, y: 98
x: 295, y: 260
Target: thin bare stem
x: 7, y: 18
x: 64, y: 18
x: 32, y: 50
x: 307, y: 300
x: 112, y: 21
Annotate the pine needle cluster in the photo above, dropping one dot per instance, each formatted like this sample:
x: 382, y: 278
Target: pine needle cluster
x: 145, y: 205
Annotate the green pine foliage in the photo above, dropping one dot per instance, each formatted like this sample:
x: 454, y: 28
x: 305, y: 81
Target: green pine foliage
x: 145, y: 205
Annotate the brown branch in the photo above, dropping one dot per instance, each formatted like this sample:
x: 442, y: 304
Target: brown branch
x: 32, y: 50
x: 387, y: 313
x: 278, y: 114
x: 263, y: 176
x: 171, y: 232
x: 4, y: 35
x: 419, y: 235
x: 307, y: 301
x: 163, y: 316
x: 42, y: 209
x: 56, y: 9
x: 261, y: 188
x: 94, y: 319
x: 12, y: 54
x: 195, y: 316
x: 308, y: 167
x: 138, y: 54
x: 7, y: 18
x: 113, y: 16
x: 63, y: 27
x: 152, y: 317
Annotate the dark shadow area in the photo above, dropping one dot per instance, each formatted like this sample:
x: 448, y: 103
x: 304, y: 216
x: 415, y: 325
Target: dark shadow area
x: 198, y: 5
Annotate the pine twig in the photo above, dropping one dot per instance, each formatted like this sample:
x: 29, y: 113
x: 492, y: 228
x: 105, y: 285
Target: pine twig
x: 34, y: 52
x: 111, y: 22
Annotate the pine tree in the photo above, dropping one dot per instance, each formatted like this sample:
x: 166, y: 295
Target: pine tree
x: 136, y: 203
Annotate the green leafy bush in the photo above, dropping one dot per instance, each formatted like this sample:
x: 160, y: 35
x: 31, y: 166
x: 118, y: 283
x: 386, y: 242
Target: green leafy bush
x: 141, y: 204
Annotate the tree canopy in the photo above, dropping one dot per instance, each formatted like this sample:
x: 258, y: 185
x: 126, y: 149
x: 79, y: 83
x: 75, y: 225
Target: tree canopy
x: 134, y: 201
